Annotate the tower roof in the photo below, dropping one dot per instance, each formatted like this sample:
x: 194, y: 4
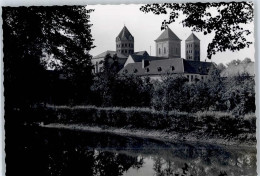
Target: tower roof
x: 125, y: 34
x: 192, y: 37
x: 168, y: 35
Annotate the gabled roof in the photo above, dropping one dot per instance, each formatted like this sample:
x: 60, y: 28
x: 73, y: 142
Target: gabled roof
x: 138, y: 58
x: 112, y: 53
x: 167, y: 66
x: 125, y: 34
x: 167, y: 35
x: 142, y: 53
x: 197, y: 67
x: 192, y: 37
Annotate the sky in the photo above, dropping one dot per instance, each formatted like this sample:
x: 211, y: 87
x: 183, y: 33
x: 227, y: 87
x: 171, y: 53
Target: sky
x: 108, y: 21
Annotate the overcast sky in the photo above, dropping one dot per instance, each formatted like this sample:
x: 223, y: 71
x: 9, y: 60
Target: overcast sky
x: 108, y: 21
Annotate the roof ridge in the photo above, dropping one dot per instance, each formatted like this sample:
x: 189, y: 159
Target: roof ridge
x: 192, y: 36
x: 124, y: 33
x: 168, y: 34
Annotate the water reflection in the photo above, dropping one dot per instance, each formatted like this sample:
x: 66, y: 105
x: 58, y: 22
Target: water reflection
x: 57, y: 152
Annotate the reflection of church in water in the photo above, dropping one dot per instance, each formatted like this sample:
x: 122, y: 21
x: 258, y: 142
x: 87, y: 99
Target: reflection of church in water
x: 167, y: 60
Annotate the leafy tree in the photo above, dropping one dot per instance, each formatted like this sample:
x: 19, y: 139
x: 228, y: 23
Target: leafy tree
x: 246, y: 61
x: 234, y: 63
x: 170, y: 93
x: 221, y: 67
x: 224, y: 19
x: 30, y: 33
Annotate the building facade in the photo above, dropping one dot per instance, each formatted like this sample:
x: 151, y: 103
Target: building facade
x: 192, y: 48
x: 167, y: 60
x: 125, y: 42
x: 168, y: 45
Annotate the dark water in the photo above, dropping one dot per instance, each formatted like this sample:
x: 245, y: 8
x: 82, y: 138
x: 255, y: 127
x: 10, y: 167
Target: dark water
x: 39, y: 151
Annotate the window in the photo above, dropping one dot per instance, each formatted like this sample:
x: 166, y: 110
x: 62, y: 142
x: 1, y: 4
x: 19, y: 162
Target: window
x: 202, y: 77
x: 190, y: 57
x: 172, y: 67
x: 159, y: 69
x: 135, y: 70
x: 159, y: 51
x: 188, y: 76
x: 147, y: 69
x: 190, y: 51
x: 176, y: 49
x: 125, y: 71
x: 164, y: 50
x: 129, y: 45
x: 191, y: 77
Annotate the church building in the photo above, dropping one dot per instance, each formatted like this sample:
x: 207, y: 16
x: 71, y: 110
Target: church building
x: 124, y: 48
x: 167, y: 60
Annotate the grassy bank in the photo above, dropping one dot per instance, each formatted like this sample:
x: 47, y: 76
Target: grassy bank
x: 212, y: 124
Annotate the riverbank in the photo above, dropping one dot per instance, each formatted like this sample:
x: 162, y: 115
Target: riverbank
x: 159, y: 134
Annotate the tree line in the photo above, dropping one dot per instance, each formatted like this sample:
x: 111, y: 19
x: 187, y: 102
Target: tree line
x: 64, y: 33
x: 174, y: 92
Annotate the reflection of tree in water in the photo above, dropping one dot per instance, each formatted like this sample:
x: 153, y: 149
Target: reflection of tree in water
x: 90, y: 155
x: 107, y: 163
x: 168, y: 168
x: 91, y: 162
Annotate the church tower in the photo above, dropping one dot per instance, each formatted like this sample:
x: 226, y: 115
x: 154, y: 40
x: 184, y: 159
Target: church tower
x: 192, y: 48
x: 168, y: 45
x: 125, y: 42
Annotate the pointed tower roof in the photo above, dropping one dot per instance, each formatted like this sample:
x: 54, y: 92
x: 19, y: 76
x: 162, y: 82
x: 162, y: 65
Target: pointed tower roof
x: 192, y: 37
x: 167, y: 35
x: 125, y: 34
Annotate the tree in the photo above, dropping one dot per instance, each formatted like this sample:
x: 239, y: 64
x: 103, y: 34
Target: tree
x: 246, y: 61
x: 29, y: 33
x: 224, y: 19
x: 234, y: 63
x: 221, y: 67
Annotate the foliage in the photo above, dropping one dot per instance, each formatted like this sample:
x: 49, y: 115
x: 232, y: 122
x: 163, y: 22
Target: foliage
x: 32, y: 33
x: 224, y: 19
x: 111, y: 89
x: 235, y: 94
x: 217, y: 123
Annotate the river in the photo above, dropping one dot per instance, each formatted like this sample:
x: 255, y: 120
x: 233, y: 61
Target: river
x: 42, y: 151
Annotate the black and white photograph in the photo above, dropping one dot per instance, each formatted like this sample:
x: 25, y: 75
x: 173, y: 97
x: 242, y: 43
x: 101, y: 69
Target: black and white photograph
x: 151, y: 89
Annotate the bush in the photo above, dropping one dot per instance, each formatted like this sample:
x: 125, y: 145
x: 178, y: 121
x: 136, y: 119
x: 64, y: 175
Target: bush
x: 216, y: 123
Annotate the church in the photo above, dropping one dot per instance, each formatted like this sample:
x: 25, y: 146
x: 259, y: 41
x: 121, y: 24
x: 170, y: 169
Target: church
x: 167, y: 60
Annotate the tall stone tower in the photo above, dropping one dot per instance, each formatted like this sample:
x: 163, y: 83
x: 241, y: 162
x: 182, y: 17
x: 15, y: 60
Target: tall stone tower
x: 168, y: 45
x: 192, y: 48
x: 125, y: 42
